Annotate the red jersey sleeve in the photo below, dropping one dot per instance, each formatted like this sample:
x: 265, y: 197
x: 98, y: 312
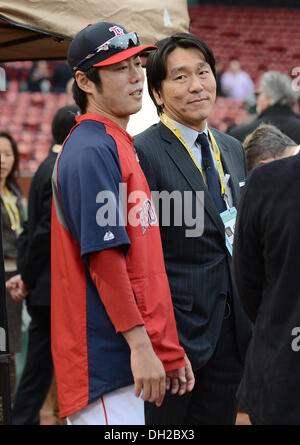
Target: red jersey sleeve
x: 109, y: 273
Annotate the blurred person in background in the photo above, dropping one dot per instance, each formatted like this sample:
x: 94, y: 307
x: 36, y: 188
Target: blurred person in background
x: 235, y: 82
x: 68, y: 91
x: 266, y: 264
x: 61, y: 76
x: 34, y: 281
x: 12, y: 212
x: 267, y: 143
x: 38, y: 79
x: 219, y: 72
x: 276, y: 99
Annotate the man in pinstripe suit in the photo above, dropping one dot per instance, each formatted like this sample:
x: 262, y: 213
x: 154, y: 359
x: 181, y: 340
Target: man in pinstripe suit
x: 181, y: 153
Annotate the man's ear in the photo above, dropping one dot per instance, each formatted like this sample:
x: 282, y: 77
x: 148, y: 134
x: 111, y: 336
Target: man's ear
x: 157, y: 98
x: 83, y: 82
x: 268, y: 100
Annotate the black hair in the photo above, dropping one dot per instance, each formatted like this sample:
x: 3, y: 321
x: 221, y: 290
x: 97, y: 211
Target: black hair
x: 15, y: 167
x: 79, y: 95
x: 63, y: 121
x: 156, y: 67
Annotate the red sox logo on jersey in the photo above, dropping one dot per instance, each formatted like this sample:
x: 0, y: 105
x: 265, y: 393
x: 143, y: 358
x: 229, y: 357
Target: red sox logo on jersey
x: 147, y: 215
x: 117, y: 30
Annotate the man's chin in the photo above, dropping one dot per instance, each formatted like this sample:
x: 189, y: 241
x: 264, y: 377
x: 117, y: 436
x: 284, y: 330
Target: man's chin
x: 137, y: 109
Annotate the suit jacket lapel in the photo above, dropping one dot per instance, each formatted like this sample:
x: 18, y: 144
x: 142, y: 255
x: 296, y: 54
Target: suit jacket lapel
x: 188, y: 169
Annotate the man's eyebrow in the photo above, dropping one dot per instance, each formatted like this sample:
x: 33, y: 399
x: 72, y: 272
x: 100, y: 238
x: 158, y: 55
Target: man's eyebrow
x: 185, y: 68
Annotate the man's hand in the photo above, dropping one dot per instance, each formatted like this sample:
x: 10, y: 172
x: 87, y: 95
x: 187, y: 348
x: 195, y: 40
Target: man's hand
x: 181, y: 380
x: 17, y: 288
x: 148, y: 371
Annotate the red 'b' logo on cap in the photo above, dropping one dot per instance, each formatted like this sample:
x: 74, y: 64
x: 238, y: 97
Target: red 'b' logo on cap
x: 117, y: 30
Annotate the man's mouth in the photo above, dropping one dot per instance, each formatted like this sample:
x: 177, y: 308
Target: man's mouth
x: 136, y: 93
x: 198, y: 100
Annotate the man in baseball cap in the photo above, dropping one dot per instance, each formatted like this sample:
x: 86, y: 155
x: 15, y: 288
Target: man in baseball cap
x: 114, y: 337
x: 103, y: 44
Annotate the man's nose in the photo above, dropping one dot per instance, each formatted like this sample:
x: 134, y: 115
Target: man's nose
x: 196, y: 83
x: 137, y: 74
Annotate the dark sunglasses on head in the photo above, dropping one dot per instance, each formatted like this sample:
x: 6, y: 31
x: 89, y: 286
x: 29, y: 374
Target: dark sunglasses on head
x: 122, y: 42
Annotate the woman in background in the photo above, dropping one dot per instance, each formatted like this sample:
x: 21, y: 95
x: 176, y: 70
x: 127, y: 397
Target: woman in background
x: 12, y: 219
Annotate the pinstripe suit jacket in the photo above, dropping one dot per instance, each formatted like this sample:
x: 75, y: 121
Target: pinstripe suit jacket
x: 198, y: 268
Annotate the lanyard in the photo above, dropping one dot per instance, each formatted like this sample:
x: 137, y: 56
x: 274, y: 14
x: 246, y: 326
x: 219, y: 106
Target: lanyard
x: 56, y: 148
x: 12, y: 210
x: 216, y: 151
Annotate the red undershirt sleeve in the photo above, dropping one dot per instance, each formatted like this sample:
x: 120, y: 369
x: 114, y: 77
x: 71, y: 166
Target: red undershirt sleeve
x: 109, y: 273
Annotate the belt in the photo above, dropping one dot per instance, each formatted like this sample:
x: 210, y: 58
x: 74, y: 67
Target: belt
x: 10, y: 265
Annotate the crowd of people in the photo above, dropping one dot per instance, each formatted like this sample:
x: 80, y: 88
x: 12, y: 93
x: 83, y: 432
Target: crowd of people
x: 171, y: 311
x: 43, y: 76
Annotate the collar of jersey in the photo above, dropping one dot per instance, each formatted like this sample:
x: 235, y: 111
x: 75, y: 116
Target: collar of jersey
x: 103, y: 120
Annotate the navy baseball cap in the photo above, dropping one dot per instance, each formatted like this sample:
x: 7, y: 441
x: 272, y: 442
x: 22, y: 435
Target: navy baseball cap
x: 103, y: 44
